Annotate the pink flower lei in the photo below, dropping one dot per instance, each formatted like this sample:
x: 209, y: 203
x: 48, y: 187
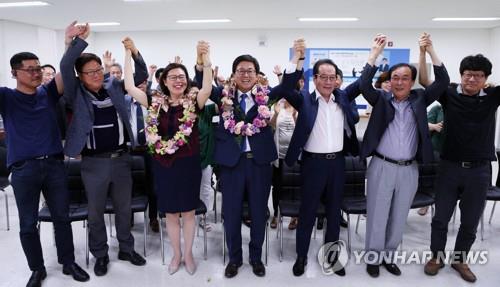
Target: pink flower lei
x: 241, y: 128
x: 158, y: 145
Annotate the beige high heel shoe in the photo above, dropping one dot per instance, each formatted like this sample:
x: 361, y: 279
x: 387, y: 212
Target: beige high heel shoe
x: 172, y: 267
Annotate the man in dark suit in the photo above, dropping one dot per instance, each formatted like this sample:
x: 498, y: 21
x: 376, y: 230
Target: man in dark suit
x: 245, y: 159
x: 396, y: 135
x: 324, y: 132
x: 384, y: 66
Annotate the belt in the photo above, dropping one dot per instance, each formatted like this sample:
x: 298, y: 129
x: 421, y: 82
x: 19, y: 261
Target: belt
x: 247, y: 154
x: 398, y: 162
x: 472, y: 164
x: 112, y: 154
x: 56, y: 156
x: 331, y: 155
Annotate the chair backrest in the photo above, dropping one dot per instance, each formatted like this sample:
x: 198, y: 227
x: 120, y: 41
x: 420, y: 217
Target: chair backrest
x: 75, y: 183
x: 139, y: 186
x: 291, y: 181
x: 427, y: 173
x: 355, y: 172
x: 4, y: 172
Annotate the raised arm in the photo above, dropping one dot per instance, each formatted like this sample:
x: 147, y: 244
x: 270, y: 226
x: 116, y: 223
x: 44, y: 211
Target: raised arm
x: 287, y: 87
x: 423, y: 77
x: 75, y: 42
x: 130, y: 87
x: 141, y: 70
x: 366, y: 80
x: 442, y: 79
x: 206, y: 87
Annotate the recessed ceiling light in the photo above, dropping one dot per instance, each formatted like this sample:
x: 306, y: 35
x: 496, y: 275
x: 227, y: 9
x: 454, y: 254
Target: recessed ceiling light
x: 467, y: 19
x: 141, y: 0
x: 203, y: 21
x: 95, y: 24
x: 344, y: 19
x: 23, y: 4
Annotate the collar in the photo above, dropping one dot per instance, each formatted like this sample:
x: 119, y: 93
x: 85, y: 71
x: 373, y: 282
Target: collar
x: 482, y: 93
x: 318, y: 95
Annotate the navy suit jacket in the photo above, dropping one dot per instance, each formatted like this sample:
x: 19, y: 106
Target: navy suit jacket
x: 307, y: 106
x: 227, y: 150
x: 383, y: 111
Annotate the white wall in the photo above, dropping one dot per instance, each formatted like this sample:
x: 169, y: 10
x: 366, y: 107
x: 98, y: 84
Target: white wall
x: 161, y: 47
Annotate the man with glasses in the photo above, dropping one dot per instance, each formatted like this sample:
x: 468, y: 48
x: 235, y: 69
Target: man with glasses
x: 245, y: 161
x: 99, y: 131
x: 464, y: 171
x: 323, y: 133
x: 396, y: 136
x: 35, y: 158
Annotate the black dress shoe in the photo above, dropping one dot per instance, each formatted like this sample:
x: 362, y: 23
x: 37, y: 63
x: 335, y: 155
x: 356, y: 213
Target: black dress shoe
x: 36, y: 278
x: 258, y: 268
x: 101, y: 266
x: 132, y: 257
x: 76, y: 271
x: 299, y: 266
x: 232, y: 269
x: 343, y: 222
x: 392, y: 268
x: 340, y: 272
x: 373, y: 270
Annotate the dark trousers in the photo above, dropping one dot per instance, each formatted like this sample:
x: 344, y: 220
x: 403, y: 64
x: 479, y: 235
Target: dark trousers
x: 256, y: 181
x: 100, y: 175
x: 320, y: 176
x: 469, y: 185
x: 277, y: 185
x: 150, y: 184
x: 29, y: 177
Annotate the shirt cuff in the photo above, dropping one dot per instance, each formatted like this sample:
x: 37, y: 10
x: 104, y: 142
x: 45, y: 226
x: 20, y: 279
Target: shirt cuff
x: 291, y: 68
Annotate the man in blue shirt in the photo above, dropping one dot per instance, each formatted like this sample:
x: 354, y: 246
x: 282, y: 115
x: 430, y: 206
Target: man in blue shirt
x: 34, y: 155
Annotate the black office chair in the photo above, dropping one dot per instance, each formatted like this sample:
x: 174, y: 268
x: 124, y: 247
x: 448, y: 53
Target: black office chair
x: 200, y: 210
x: 139, y: 195
x: 354, y: 201
x: 78, y: 210
x: 4, y: 179
x: 424, y: 196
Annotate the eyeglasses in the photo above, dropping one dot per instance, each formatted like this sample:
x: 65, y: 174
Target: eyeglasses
x: 92, y: 73
x: 33, y: 71
x: 477, y: 76
x: 243, y: 72
x: 176, y: 77
x: 403, y: 79
x: 325, y: 78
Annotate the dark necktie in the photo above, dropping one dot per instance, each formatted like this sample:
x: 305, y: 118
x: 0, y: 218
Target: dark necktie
x: 243, y: 106
x: 141, y: 136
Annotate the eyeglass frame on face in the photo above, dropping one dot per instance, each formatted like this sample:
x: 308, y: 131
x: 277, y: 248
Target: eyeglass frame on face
x: 249, y: 72
x: 31, y: 70
x: 325, y: 78
x: 469, y: 76
x: 92, y: 73
x: 402, y: 79
x: 173, y: 78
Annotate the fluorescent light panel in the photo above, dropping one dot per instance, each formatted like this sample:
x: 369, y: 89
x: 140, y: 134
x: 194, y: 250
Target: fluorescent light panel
x: 203, y: 21
x: 23, y: 4
x: 95, y: 24
x: 466, y: 19
x: 343, y: 19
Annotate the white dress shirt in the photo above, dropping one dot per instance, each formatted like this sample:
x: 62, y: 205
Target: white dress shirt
x: 327, y: 135
x: 133, y: 118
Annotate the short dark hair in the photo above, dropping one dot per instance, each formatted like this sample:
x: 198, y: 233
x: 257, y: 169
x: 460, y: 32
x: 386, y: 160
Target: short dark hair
x: 117, y: 65
x: 164, y: 74
x: 16, y: 61
x: 476, y: 63
x: 382, y: 78
x: 84, y: 59
x: 158, y: 73
x: 261, y: 73
x: 340, y: 73
x: 324, y: 62
x: 400, y: 65
x: 49, y: 66
x: 246, y: 58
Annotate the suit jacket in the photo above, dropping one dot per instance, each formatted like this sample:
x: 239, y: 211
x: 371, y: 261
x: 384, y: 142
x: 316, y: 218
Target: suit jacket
x: 227, y: 150
x: 383, y: 111
x: 83, y: 111
x: 383, y: 68
x: 307, y: 106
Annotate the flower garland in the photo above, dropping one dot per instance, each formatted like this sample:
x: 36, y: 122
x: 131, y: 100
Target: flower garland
x: 242, y: 128
x: 156, y: 144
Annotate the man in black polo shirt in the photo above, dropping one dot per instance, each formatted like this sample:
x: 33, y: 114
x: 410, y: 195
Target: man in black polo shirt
x: 468, y: 148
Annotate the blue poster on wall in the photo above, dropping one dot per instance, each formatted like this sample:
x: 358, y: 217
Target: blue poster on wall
x: 351, y: 61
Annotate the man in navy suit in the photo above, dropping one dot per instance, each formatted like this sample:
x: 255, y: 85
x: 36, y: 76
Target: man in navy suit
x: 324, y: 132
x: 397, y: 135
x: 245, y: 161
x: 384, y: 66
